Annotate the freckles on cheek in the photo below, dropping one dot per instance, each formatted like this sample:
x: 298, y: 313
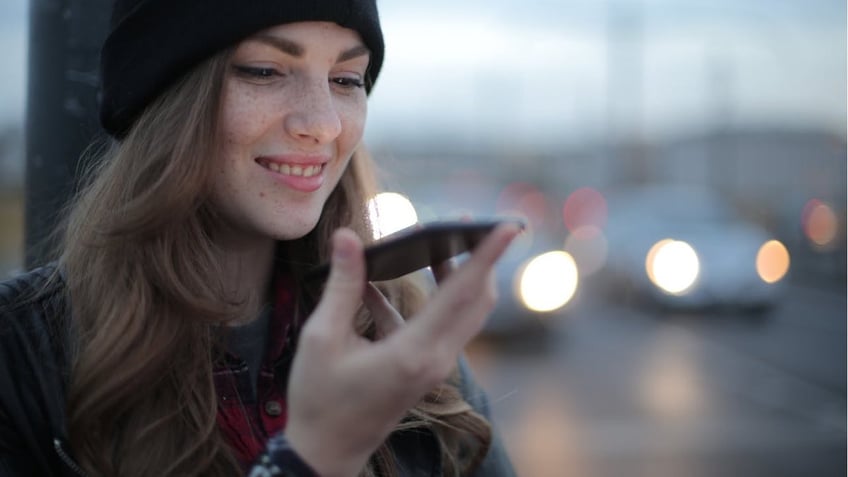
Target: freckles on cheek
x: 242, y: 116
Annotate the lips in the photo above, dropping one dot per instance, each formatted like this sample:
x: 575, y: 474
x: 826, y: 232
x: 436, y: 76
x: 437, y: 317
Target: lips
x: 302, y: 173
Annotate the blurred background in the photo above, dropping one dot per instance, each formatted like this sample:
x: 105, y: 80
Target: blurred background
x: 678, y: 303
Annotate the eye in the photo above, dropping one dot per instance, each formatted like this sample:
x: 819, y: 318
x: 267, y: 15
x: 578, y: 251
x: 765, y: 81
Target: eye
x: 258, y: 72
x: 348, y: 82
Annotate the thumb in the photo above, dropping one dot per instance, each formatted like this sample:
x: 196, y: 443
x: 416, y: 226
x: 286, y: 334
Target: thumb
x: 346, y: 283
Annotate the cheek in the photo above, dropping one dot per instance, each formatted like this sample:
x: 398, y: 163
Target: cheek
x: 242, y: 116
x: 353, y: 123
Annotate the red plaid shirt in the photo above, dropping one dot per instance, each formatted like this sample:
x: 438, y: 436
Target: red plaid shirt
x: 247, y: 423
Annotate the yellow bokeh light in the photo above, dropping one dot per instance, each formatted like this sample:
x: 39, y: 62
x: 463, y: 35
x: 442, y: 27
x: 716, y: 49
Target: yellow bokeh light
x: 651, y: 256
x: 772, y: 261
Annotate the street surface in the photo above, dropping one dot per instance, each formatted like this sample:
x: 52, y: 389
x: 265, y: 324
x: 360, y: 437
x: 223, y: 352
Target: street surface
x: 615, y: 391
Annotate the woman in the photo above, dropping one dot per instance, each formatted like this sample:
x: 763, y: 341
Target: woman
x: 174, y: 336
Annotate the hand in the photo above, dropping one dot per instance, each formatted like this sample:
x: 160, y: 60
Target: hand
x: 347, y: 393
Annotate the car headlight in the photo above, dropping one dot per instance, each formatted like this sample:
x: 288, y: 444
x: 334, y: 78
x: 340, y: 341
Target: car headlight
x: 547, y: 282
x: 772, y: 261
x: 673, y: 266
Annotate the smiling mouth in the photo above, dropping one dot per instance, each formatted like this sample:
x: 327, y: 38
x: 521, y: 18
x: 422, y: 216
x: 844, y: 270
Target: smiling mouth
x: 295, y: 170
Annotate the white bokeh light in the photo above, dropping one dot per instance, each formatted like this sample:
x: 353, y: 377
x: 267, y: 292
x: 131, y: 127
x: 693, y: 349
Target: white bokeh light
x: 390, y: 212
x: 673, y: 266
x: 548, y: 281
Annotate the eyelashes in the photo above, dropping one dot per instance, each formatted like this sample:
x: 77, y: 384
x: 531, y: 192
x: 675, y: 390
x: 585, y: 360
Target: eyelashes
x: 256, y: 72
x: 264, y: 74
x: 348, y: 82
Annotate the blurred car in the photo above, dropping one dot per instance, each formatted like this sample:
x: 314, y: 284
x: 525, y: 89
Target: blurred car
x: 535, y: 278
x: 535, y: 281
x: 687, y: 247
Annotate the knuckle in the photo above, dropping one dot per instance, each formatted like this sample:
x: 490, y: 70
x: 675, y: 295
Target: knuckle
x: 344, y: 286
x: 467, y: 296
x: 475, y: 297
x: 313, y: 336
x: 427, y: 370
x: 490, y: 295
x: 412, y: 367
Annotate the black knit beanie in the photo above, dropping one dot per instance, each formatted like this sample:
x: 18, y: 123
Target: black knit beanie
x: 154, y: 42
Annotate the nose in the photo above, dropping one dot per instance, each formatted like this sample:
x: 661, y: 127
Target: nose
x: 313, y: 117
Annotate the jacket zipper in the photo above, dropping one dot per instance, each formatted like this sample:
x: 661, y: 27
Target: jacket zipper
x: 57, y: 444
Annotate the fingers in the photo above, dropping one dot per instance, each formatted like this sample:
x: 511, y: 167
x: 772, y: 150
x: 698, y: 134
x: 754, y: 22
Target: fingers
x: 485, y: 255
x: 386, y: 318
x: 443, y: 270
x: 345, y: 285
x: 462, y: 303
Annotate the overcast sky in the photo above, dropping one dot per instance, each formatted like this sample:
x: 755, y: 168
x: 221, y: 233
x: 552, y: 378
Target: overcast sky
x: 573, y: 69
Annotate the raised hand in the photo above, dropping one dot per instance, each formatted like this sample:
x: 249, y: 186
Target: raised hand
x: 347, y: 393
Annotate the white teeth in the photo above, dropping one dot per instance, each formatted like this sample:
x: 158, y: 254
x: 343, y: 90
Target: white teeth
x: 294, y: 170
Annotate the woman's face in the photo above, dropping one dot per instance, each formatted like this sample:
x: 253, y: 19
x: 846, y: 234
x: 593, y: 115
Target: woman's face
x: 294, y: 107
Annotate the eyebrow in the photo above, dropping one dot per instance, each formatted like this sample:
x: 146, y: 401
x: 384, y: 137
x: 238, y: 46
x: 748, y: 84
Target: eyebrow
x: 296, y: 50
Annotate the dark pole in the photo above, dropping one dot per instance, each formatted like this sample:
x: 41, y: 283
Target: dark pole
x: 64, y: 45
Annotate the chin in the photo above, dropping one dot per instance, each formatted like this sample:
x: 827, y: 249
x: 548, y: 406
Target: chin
x: 294, y: 229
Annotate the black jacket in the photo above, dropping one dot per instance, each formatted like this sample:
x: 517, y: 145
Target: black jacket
x: 33, y: 377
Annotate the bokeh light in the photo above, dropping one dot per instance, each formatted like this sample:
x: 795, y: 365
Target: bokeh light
x: 548, y: 281
x: 520, y: 199
x: 583, y: 208
x: 772, y: 261
x: 670, y: 384
x: 589, y: 249
x: 651, y: 257
x: 390, y: 212
x: 819, y: 222
x: 673, y: 266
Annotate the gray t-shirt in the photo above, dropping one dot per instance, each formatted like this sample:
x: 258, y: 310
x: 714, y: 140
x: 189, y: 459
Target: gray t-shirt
x: 250, y: 342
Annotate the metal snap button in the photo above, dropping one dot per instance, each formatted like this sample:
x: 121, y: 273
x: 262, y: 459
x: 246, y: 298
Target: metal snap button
x: 273, y: 408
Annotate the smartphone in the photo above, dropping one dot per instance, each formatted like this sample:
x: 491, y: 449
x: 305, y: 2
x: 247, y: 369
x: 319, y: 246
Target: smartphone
x: 419, y: 246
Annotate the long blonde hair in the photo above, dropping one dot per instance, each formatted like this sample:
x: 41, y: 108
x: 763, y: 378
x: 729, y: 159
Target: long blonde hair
x: 145, y: 288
